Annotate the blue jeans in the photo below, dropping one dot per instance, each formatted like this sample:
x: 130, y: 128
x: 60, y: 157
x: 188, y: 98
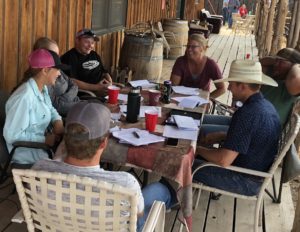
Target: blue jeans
x: 225, y: 15
x: 226, y: 180
x: 155, y: 192
x: 230, y: 21
x: 215, y: 123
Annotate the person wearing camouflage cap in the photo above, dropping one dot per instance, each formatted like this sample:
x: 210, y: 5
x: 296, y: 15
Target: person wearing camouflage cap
x: 285, y: 69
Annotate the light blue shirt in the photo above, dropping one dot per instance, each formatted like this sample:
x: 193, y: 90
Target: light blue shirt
x: 28, y: 114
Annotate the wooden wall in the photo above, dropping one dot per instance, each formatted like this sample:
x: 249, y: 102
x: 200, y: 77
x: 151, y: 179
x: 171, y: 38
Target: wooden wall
x: 23, y: 21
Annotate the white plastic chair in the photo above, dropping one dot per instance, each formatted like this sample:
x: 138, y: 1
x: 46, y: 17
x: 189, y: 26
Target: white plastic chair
x: 288, y: 136
x: 68, y: 203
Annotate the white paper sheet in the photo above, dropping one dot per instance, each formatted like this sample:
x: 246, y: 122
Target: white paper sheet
x: 145, y: 84
x: 175, y: 132
x: 123, y: 109
x: 171, y: 120
x: 128, y: 136
x: 185, y: 122
x: 190, y: 102
x: 185, y: 90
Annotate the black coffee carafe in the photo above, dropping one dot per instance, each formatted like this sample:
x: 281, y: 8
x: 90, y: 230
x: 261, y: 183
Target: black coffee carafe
x: 133, y: 104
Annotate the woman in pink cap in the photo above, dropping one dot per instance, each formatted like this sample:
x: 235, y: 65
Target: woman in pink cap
x: 29, y: 110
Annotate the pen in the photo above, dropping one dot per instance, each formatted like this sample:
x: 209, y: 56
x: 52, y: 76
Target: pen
x: 136, y: 134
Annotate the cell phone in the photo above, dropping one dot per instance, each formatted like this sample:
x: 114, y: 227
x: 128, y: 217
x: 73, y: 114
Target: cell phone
x: 171, y: 142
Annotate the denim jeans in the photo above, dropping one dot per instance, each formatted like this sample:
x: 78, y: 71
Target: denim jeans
x: 215, y: 123
x: 226, y: 180
x: 230, y: 20
x: 225, y: 15
x: 155, y: 192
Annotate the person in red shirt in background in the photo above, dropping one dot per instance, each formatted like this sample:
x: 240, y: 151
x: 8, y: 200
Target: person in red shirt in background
x: 243, y: 11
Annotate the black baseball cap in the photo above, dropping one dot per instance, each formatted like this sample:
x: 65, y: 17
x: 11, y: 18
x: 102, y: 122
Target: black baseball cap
x: 87, y: 33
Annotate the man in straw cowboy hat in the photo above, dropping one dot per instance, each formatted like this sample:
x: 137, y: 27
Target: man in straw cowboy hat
x: 252, y: 137
x: 284, y: 67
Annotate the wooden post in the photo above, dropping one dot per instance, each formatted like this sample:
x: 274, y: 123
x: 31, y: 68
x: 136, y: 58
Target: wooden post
x: 295, y: 35
x: 292, y: 25
x: 269, y: 32
x: 279, y: 26
x: 257, y: 20
x: 263, y: 28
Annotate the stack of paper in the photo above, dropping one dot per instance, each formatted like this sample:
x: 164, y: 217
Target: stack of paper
x: 175, y: 132
x: 185, y: 90
x: 145, y: 84
x: 123, y: 109
x: 190, y: 102
x: 137, y: 137
x: 185, y: 122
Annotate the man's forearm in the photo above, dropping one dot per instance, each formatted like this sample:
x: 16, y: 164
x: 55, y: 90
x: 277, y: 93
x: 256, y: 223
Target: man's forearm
x: 217, y: 92
x: 220, y: 156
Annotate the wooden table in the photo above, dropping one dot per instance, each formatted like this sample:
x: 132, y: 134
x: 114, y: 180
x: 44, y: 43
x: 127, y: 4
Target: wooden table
x: 174, y: 163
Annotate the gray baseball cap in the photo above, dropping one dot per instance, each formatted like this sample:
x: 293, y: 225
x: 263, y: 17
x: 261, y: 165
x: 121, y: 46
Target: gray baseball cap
x: 93, y: 116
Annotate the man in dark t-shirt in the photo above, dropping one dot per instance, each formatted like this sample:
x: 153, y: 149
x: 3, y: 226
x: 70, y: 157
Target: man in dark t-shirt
x: 87, y: 68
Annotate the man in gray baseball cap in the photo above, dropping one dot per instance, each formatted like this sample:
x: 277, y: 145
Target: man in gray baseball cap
x: 86, y: 137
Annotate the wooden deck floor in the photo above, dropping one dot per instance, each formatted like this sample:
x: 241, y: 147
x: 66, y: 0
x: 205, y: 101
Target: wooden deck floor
x: 224, y: 48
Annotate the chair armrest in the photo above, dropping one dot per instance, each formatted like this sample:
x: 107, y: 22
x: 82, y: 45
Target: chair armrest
x: 35, y: 145
x: 30, y: 144
x: 221, y: 107
x: 90, y: 93
x: 235, y: 169
x: 217, y: 16
x: 156, y: 218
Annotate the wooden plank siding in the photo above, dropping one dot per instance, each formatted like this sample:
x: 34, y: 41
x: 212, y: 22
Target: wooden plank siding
x: 23, y: 21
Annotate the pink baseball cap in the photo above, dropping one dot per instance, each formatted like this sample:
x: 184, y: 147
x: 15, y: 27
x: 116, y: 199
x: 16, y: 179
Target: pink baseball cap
x: 43, y: 58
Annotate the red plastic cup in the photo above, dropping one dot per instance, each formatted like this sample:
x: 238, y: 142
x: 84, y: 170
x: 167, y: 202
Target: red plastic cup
x: 113, y: 93
x: 154, y: 96
x: 247, y: 56
x: 151, y: 120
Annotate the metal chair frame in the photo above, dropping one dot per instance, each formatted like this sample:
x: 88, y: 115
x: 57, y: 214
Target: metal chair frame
x: 288, y: 136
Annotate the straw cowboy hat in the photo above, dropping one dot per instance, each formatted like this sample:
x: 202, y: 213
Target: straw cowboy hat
x: 248, y: 71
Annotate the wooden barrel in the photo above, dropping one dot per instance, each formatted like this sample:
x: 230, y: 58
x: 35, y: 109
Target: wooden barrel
x: 177, y: 43
x: 144, y: 56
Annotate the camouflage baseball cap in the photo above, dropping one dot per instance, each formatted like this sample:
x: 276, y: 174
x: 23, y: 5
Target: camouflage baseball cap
x: 289, y: 54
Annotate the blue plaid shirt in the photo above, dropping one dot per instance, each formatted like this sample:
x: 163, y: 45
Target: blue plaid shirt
x: 254, y: 133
